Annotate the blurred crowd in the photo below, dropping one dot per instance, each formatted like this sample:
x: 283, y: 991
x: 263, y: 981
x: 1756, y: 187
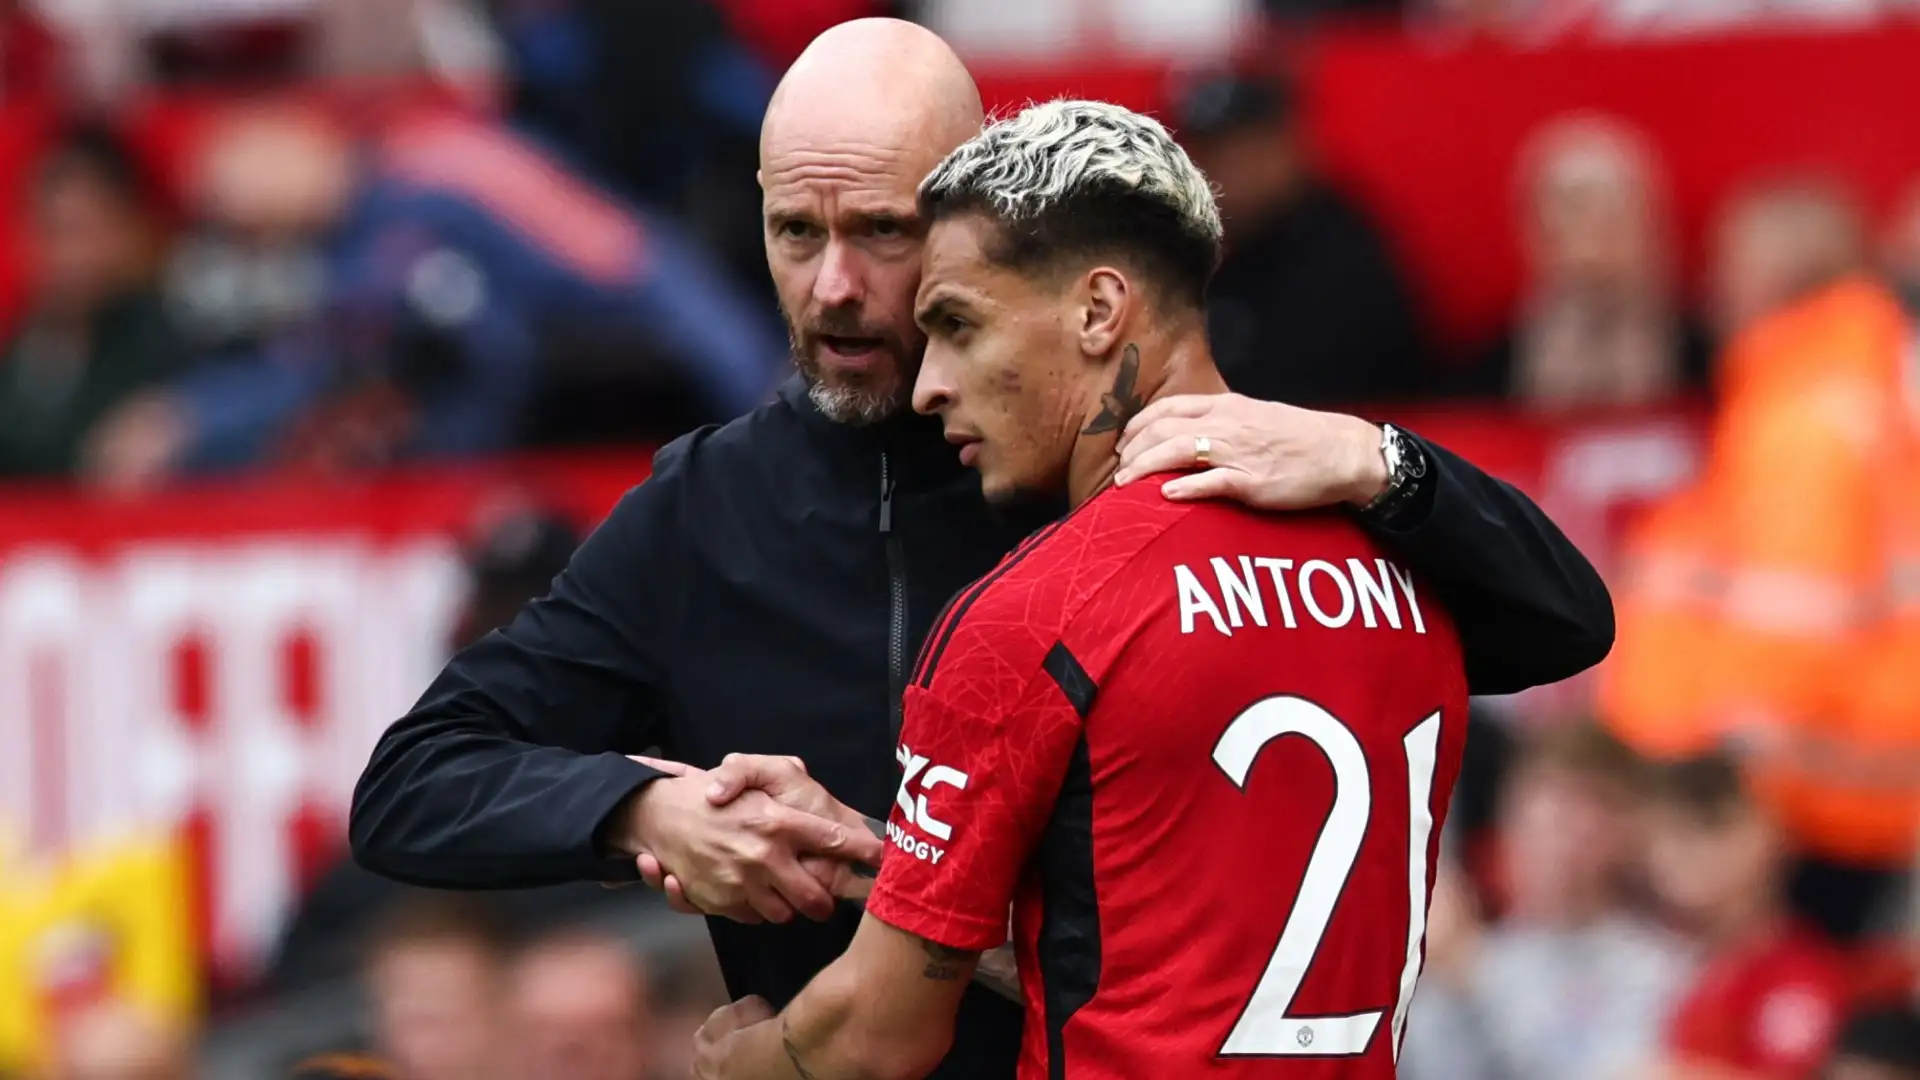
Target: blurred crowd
x: 516, y: 985
x: 347, y: 284
x: 1706, y: 878
x: 343, y: 285
x: 1614, y: 916
x: 451, y: 994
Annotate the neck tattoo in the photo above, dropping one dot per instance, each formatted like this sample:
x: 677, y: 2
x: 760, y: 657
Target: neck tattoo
x: 1123, y: 402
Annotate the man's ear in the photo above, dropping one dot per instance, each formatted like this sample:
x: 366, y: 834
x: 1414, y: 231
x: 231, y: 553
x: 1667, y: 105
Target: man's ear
x: 1108, y: 301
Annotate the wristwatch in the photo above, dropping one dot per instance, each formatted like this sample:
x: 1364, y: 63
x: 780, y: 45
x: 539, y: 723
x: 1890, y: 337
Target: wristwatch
x: 1406, y: 468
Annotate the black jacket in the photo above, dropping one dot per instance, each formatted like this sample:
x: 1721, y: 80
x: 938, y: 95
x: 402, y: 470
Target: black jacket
x: 765, y: 592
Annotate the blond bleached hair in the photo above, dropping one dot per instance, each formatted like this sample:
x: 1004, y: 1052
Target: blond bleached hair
x: 1071, y: 178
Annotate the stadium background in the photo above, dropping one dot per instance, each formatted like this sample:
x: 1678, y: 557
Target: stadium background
x: 196, y: 653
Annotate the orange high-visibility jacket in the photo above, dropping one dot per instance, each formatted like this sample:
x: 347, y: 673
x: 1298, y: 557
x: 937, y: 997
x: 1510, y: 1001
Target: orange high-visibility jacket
x: 1755, y: 607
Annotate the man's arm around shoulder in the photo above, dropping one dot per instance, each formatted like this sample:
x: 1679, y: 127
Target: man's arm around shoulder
x: 1529, y: 606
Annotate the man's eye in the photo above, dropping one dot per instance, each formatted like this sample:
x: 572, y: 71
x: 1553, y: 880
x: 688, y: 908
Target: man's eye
x: 951, y: 325
x: 887, y: 228
x: 795, y: 230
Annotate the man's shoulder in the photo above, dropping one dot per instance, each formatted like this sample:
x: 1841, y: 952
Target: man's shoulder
x: 700, y: 479
x: 1118, y: 536
x: 770, y: 439
x: 745, y: 440
x: 1139, y: 530
x: 1068, y: 562
x: 1003, y: 625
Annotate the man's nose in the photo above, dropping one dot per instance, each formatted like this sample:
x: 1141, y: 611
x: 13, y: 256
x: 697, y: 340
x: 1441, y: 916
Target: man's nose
x: 840, y: 282
x: 932, y: 389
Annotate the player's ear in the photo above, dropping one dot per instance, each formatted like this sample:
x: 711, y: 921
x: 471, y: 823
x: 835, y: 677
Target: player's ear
x: 1103, y: 311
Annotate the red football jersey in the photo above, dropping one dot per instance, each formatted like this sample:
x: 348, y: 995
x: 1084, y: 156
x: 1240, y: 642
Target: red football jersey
x: 1769, y: 1008
x: 1204, y: 756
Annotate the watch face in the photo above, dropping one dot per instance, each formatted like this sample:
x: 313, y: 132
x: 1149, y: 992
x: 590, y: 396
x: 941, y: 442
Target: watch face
x: 1415, y: 458
x: 1406, y: 459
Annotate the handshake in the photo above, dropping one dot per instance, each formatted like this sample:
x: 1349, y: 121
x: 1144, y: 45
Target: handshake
x: 754, y: 840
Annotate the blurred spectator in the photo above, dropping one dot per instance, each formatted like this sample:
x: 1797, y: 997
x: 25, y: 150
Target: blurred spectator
x: 1787, y: 565
x: 435, y: 974
x: 234, y: 293
x: 1572, y: 985
x: 95, y: 333
x: 690, y: 989
x: 390, y: 40
x: 660, y: 100
x: 452, y: 252
x: 1308, y: 307
x: 1769, y: 998
x: 581, y: 1010
x: 1776, y: 242
x: 1473, y: 821
x: 117, y: 1041
x: 1878, y: 1044
x: 1600, y: 323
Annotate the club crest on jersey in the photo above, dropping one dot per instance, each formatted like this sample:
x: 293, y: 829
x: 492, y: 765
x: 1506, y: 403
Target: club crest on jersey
x: 918, y: 776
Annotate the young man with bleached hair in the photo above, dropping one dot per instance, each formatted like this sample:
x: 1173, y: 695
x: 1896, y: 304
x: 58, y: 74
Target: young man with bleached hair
x: 1203, y: 754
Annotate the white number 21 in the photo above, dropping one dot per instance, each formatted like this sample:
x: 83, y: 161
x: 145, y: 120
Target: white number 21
x: 1266, y: 1028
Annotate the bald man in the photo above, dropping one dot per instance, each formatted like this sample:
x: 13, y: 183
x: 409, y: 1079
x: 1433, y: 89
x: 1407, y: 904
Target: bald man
x: 766, y: 591
x: 862, y: 116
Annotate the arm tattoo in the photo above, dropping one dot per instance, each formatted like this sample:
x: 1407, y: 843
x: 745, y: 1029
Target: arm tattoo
x: 997, y: 971
x: 793, y: 1052
x: 943, y: 964
x: 1123, y: 402
x: 879, y: 829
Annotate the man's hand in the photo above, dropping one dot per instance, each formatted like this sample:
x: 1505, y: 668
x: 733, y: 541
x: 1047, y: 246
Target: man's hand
x: 785, y: 780
x: 741, y: 860
x: 1267, y: 455
x: 710, y: 1042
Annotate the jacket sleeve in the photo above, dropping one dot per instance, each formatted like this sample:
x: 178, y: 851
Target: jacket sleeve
x: 503, y: 772
x: 1530, y: 608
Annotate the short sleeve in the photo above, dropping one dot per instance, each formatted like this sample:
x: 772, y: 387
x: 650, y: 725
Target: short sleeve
x: 976, y: 786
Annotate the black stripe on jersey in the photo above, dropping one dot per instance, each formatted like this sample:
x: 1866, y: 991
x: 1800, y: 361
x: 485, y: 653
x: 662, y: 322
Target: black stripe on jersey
x: 1071, y: 678
x: 944, y: 626
x: 1069, y: 945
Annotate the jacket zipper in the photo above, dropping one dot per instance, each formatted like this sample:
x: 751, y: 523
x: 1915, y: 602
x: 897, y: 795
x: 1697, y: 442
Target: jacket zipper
x: 896, y: 599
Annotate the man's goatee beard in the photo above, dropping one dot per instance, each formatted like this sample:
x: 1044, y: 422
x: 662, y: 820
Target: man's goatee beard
x: 855, y: 406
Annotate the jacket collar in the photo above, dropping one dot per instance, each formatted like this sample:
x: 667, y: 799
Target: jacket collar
x: 916, y: 445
